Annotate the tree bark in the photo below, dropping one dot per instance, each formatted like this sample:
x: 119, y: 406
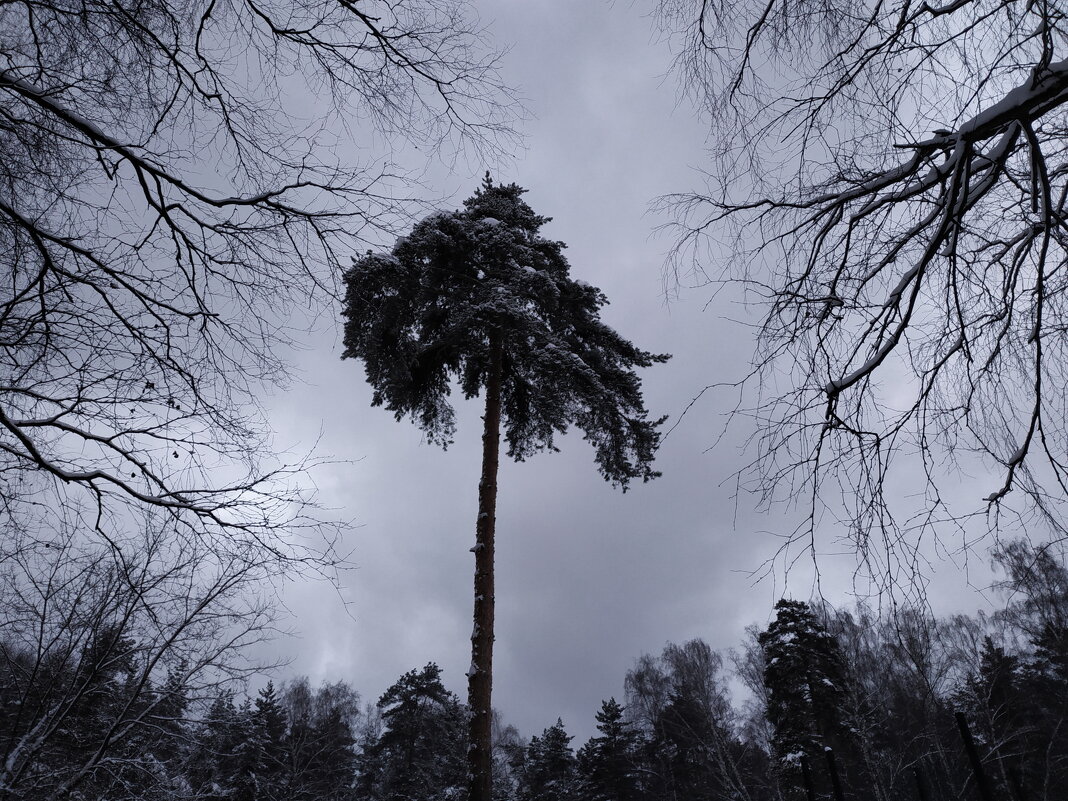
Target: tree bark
x: 480, y: 674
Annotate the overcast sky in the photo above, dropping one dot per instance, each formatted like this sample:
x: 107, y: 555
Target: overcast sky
x: 587, y: 578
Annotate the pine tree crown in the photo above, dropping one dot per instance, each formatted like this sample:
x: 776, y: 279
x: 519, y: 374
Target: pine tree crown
x: 423, y: 315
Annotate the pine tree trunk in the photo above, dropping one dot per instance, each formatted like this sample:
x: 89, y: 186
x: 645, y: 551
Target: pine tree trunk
x: 480, y: 675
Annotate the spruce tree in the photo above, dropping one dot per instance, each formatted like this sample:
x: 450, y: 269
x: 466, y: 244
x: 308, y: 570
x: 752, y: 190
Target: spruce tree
x: 170, y: 706
x: 242, y: 772
x: 480, y: 297
x: 688, y: 738
x: 991, y: 699
x: 209, y: 770
x: 804, y: 679
x: 609, y: 762
x: 549, y: 769
x: 332, y: 766
x: 269, y: 728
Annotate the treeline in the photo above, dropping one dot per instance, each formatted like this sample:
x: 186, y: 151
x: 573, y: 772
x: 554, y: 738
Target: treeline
x: 840, y: 703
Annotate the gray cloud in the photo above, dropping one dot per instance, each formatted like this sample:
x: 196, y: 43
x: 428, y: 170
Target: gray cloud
x: 588, y: 578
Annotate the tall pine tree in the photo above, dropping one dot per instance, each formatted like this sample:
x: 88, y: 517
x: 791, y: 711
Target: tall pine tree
x: 480, y: 296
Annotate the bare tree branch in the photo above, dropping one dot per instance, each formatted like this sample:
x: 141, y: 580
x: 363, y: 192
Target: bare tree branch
x: 168, y: 214
x: 889, y: 182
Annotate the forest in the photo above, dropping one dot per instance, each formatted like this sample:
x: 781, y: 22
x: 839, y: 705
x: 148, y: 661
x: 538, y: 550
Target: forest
x: 882, y: 705
x: 232, y: 247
